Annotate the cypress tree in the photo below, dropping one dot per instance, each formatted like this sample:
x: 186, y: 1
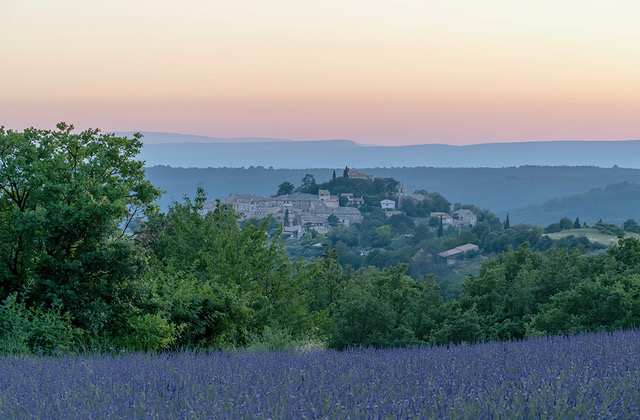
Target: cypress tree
x: 576, y: 224
x: 334, y: 174
x: 345, y: 174
x: 440, y: 228
x: 507, y: 225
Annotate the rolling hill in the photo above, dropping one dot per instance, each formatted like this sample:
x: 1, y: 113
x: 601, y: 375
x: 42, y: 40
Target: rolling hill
x: 207, y: 152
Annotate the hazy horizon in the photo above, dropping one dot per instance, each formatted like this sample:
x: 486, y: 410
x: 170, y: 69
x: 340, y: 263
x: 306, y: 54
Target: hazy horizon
x: 154, y: 137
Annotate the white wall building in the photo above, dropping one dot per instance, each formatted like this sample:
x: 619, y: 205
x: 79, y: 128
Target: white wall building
x: 388, y: 205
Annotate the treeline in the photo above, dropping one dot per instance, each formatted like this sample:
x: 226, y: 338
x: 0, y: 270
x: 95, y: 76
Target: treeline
x: 615, y: 202
x: 72, y: 279
x: 209, y: 283
x: 384, y: 242
x: 521, y: 293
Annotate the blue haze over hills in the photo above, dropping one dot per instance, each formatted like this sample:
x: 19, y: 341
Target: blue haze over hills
x: 186, y: 151
x: 535, y: 182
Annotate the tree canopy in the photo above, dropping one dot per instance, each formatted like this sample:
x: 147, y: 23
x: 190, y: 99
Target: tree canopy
x: 66, y: 200
x: 285, y: 188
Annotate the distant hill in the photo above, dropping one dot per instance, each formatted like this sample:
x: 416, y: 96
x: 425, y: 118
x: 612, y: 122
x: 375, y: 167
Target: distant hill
x: 498, y: 189
x: 150, y: 137
x: 179, y: 150
x: 614, y: 204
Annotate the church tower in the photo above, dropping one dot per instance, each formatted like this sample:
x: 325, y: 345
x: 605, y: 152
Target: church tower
x: 402, y: 194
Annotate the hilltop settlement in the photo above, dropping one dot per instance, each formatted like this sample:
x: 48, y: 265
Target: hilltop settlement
x: 300, y: 211
x: 313, y: 208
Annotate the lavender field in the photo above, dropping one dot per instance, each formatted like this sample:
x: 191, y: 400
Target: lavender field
x: 584, y: 376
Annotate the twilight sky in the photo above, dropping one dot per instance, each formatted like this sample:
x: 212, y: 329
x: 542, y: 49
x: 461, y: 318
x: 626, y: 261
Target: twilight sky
x: 378, y: 72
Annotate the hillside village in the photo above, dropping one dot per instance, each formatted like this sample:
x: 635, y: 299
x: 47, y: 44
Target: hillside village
x: 301, y: 212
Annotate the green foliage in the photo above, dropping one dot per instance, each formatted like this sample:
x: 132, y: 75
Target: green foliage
x: 65, y: 202
x: 607, y: 228
x: 333, y: 220
x: 630, y: 225
x: 309, y: 185
x: 277, y: 340
x: 385, y: 309
x: 285, y: 188
x: 525, y: 293
x: 324, y: 288
x: 371, y: 191
x: 34, y: 330
x: 218, y: 281
x: 149, y: 332
x: 433, y: 202
x: 565, y: 223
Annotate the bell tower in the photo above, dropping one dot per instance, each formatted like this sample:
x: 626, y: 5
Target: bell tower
x: 402, y: 194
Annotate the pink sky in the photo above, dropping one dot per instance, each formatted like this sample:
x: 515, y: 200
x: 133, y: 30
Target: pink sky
x: 376, y: 72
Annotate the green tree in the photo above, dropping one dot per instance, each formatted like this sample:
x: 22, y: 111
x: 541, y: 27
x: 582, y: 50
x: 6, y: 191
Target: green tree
x: 385, y: 308
x: 222, y: 282
x: 65, y: 202
x: 507, y: 225
x: 630, y: 225
x: 576, y: 224
x: 333, y: 220
x: 334, y: 174
x: 345, y: 173
x: 565, y: 223
x: 436, y: 203
x: 440, y: 228
x: 327, y: 282
x: 309, y: 184
x: 285, y: 188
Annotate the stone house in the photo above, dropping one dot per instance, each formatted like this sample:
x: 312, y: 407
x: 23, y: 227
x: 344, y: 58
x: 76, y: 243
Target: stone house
x: 355, y: 174
x: 465, y: 217
x: 447, y: 220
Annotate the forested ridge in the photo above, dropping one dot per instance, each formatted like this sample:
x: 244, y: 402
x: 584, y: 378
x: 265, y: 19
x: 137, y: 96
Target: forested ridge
x: 503, y: 190
x: 72, y: 278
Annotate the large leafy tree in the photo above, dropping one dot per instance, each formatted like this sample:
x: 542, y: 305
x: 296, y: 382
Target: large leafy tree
x: 385, y: 308
x: 309, y: 184
x: 221, y: 282
x: 65, y: 202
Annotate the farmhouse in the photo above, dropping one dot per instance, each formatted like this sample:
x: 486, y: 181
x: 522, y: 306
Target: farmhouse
x: 457, y: 254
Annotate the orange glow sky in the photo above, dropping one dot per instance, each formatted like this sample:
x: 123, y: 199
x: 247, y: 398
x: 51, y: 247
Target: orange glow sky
x: 377, y: 72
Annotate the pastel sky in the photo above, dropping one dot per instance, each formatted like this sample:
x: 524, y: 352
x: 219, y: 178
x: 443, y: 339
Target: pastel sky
x: 377, y: 72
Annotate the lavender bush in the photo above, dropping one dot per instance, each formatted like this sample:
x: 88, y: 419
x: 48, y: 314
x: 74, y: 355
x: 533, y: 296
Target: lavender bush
x: 584, y: 376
